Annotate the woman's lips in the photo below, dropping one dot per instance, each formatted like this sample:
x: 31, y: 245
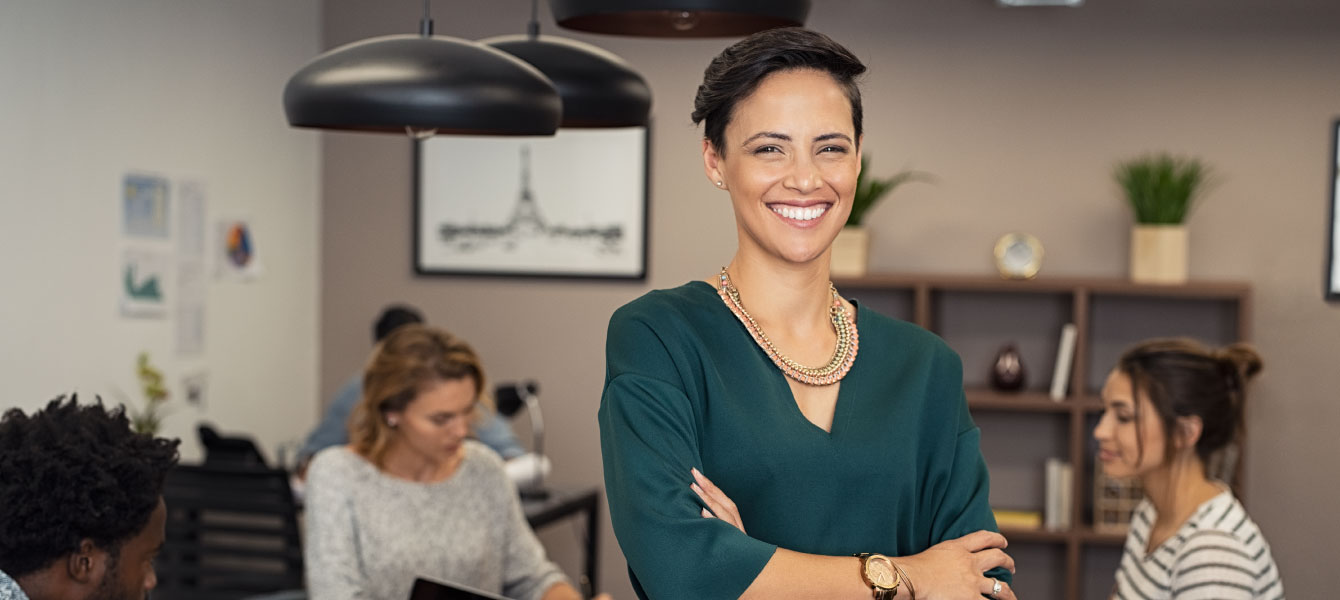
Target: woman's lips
x: 801, y: 216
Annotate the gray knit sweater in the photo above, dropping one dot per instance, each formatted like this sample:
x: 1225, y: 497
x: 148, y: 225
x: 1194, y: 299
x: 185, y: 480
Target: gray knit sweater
x: 369, y: 534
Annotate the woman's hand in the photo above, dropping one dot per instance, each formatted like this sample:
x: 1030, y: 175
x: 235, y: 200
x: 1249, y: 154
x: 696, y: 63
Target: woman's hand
x: 719, y: 506
x: 954, y: 569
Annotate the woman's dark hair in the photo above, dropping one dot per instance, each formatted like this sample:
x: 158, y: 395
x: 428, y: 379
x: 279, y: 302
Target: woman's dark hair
x: 393, y: 317
x: 70, y: 473
x: 1183, y: 378
x: 735, y: 73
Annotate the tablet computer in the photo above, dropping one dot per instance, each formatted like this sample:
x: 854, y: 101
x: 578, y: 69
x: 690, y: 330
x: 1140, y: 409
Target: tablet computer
x: 431, y: 589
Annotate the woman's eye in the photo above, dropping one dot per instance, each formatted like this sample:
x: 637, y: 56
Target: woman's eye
x: 1124, y: 418
x: 837, y: 149
x: 767, y: 150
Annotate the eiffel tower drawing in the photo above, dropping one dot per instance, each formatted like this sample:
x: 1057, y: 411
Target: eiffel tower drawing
x: 526, y: 222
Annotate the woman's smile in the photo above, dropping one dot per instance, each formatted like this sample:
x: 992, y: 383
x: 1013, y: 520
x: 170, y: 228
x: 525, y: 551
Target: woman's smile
x: 802, y: 215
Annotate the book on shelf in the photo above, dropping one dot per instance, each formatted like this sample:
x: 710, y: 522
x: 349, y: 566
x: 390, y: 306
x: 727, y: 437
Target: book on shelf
x: 1059, y: 480
x: 1017, y: 519
x: 1065, y: 356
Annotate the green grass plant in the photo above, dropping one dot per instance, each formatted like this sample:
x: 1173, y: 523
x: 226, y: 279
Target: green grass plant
x: 869, y: 190
x: 1160, y: 188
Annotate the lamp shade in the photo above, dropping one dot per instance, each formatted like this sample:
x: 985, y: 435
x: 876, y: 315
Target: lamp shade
x: 598, y: 88
x: 422, y: 83
x: 679, y: 18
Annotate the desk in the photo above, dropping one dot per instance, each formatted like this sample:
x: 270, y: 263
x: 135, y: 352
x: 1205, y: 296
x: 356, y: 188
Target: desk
x: 562, y: 504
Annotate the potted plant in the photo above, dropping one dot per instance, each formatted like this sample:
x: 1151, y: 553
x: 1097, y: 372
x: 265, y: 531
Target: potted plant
x: 851, y: 249
x: 1161, y: 190
x: 148, y: 419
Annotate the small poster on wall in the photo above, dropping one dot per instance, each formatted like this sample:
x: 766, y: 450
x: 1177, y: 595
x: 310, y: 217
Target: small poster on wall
x: 235, y: 252
x: 143, y: 282
x: 144, y: 206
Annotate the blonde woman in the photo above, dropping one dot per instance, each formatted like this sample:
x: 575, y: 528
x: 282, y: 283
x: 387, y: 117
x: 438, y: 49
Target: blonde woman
x: 411, y: 495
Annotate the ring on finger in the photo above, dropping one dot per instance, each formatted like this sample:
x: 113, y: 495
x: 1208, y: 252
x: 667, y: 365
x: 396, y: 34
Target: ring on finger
x: 995, y: 587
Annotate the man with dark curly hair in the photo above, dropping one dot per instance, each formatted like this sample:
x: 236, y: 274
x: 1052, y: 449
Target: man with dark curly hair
x: 81, y: 507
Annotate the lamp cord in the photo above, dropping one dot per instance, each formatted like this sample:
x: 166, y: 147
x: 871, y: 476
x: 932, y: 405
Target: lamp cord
x: 533, y: 28
x: 426, y: 24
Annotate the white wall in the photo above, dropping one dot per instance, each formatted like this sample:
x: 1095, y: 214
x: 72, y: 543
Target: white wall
x: 185, y: 89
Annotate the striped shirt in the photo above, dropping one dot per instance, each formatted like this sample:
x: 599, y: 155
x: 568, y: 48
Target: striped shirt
x: 1218, y: 554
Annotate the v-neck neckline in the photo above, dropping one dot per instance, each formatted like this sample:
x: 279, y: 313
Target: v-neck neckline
x: 778, y: 378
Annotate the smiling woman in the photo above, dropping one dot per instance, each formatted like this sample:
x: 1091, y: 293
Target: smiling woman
x: 748, y: 450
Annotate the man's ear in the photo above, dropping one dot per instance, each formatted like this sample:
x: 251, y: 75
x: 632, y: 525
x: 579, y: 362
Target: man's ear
x: 1188, y: 432
x: 87, y: 564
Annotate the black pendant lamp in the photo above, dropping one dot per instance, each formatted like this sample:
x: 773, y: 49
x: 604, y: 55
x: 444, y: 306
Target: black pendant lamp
x: 679, y: 18
x: 598, y: 88
x: 422, y: 84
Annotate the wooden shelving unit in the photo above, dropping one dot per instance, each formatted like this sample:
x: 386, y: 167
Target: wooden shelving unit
x: 975, y: 315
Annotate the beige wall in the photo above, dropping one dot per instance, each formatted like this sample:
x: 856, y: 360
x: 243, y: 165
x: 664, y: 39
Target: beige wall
x: 1021, y: 113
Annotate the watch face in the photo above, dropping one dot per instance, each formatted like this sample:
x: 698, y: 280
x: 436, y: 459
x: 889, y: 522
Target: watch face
x: 880, y: 571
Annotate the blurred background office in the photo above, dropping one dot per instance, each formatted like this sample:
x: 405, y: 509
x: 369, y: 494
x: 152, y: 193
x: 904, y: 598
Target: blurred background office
x: 1020, y: 113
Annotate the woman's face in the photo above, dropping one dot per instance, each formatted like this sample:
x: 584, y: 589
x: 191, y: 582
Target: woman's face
x: 790, y: 162
x: 436, y: 422
x: 1119, y: 433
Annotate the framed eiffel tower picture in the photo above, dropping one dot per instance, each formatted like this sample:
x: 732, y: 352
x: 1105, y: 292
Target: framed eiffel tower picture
x: 570, y: 205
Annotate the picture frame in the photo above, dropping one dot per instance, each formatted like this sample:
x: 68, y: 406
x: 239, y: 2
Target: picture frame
x: 1333, y: 255
x: 571, y: 205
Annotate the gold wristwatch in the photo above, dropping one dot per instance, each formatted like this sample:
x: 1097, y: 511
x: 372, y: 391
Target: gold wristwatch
x: 878, y: 572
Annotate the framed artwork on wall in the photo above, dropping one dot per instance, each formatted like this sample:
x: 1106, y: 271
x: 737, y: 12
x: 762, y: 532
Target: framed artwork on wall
x: 1333, y: 260
x: 570, y: 205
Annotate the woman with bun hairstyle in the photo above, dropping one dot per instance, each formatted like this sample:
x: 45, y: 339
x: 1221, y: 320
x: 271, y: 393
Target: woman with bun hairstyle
x: 1169, y: 406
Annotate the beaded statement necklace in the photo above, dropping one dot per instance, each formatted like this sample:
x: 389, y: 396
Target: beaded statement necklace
x: 843, y: 323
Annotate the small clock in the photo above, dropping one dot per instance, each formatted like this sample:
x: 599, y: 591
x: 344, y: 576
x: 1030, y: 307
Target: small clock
x: 1018, y: 256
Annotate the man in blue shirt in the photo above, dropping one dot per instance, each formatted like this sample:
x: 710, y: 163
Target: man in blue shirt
x: 491, y: 429
x: 81, y: 506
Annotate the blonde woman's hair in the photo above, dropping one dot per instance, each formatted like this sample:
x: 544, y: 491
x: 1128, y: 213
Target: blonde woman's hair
x: 403, y: 364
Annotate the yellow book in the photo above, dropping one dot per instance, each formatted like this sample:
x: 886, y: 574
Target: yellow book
x: 1017, y: 519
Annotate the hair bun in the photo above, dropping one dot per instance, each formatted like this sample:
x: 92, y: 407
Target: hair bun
x: 1244, y: 359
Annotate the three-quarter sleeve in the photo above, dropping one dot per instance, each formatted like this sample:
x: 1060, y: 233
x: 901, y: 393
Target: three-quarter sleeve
x: 330, y: 548
x: 649, y: 442
x: 961, y: 501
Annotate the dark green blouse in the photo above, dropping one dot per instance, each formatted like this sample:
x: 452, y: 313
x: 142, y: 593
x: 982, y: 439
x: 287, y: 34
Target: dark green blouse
x: 686, y: 386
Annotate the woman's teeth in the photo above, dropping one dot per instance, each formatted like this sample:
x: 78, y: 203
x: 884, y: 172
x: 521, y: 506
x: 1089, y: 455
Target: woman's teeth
x: 808, y: 213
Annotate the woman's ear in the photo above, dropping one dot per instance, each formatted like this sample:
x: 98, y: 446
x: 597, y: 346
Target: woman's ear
x: 1188, y: 433
x: 712, y: 165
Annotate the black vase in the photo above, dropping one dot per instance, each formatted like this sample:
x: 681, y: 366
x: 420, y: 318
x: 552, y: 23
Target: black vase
x: 1007, y: 371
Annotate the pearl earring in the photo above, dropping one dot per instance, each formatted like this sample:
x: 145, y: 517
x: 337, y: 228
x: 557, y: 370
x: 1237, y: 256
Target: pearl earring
x: 392, y: 422
x: 719, y: 183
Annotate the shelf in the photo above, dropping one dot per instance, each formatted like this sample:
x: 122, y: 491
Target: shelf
x: 1210, y: 290
x: 1039, y: 535
x: 991, y: 400
x: 1085, y: 536
x: 975, y: 314
x: 1089, y: 536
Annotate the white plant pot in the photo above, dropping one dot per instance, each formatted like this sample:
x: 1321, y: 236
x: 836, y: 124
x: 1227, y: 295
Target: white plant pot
x: 851, y: 252
x: 1159, y: 254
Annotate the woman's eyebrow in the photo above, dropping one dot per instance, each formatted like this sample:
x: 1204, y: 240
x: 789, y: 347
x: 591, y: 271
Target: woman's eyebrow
x: 768, y: 134
x: 832, y: 136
